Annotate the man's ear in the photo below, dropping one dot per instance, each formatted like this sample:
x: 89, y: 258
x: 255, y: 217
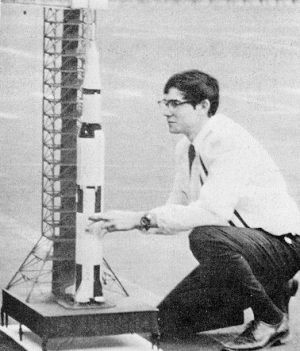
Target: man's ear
x: 204, y: 106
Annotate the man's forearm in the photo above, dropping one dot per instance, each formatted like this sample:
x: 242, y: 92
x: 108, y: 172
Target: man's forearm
x: 173, y: 217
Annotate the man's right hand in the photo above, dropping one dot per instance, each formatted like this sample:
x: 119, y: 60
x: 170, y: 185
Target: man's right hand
x: 117, y: 220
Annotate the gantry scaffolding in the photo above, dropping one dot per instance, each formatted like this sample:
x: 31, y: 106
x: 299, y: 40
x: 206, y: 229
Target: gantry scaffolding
x: 52, y: 259
x: 36, y: 295
x: 51, y: 262
x: 65, y: 32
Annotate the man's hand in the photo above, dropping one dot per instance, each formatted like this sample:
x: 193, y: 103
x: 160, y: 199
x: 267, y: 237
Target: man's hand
x: 117, y: 220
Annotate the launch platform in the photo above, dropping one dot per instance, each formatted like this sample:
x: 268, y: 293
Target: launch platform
x: 31, y: 342
x: 50, y: 320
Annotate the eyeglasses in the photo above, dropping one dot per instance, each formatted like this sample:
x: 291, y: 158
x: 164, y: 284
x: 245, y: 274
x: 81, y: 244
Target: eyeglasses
x: 173, y: 103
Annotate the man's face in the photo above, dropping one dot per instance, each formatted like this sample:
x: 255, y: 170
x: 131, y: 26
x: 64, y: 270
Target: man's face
x: 183, y: 118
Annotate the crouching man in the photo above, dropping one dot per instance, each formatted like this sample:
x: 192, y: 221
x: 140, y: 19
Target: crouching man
x: 243, y: 224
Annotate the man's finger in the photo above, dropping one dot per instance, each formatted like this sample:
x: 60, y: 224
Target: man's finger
x: 97, y: 218
x: 109, y: 226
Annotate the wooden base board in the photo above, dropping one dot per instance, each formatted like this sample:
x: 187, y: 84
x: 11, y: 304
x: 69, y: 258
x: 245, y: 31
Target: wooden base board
x: 124, y: 342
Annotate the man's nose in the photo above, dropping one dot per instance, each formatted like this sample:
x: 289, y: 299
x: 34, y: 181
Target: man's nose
x: 167, y: 112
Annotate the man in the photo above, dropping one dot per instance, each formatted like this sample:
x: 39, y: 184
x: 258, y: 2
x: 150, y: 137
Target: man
x: 244, y: 225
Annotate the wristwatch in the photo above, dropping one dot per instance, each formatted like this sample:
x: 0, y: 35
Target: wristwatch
x: 145, y: 221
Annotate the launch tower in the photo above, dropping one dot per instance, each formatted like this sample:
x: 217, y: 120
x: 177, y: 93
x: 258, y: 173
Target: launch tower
x: 30, y: 297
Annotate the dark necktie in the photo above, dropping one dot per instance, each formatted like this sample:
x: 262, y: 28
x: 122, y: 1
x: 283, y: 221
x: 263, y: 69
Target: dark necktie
x: 192, y: 155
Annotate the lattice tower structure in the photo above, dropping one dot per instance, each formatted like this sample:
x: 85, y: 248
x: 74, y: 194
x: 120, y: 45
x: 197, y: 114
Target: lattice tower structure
x: 63, y: 67
x: 50, y: 265
x: 52, y: 260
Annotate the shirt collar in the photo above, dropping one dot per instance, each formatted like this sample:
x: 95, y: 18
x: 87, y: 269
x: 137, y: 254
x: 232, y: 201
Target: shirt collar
x: 206, y: 130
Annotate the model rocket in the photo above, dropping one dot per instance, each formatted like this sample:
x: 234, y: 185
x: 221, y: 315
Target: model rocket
x: 90, y: 180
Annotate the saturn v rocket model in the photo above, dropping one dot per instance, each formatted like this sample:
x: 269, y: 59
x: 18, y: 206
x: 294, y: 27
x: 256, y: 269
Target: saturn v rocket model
x: 90, y: 179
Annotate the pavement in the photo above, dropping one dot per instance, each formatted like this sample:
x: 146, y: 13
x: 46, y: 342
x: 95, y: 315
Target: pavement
x: 251, y: 47
x: 7, y: 344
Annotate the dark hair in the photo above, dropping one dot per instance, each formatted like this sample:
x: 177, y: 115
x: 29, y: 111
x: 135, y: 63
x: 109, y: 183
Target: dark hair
x: 196, y: 86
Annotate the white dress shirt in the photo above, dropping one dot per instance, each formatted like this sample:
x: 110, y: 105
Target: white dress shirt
x: 242, y: 181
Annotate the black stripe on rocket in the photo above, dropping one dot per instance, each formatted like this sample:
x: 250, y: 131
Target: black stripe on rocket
x: 97, y: 284
x: 98, y: 196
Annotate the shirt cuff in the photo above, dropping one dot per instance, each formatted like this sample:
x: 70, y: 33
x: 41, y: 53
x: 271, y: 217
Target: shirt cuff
x: 174, y: 218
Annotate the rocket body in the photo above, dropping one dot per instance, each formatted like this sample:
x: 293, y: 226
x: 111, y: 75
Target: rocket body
x: 90, y: 182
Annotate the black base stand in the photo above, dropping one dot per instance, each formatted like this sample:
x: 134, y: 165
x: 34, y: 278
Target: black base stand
x: 48, y: 319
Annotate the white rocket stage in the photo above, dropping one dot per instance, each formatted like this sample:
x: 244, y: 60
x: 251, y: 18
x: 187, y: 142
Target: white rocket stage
x: 124, y: 342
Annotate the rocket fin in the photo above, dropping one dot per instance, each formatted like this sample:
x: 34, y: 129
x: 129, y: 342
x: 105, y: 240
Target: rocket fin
x: 98, y: 292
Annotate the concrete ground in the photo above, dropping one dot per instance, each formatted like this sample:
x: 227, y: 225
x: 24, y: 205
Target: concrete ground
x: 252, y: 48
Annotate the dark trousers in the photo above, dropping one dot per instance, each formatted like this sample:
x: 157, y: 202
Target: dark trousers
x: 238, y: 268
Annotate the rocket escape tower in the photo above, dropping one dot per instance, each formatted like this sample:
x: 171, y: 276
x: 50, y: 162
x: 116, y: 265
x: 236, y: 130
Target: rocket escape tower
x: 51, y: 262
